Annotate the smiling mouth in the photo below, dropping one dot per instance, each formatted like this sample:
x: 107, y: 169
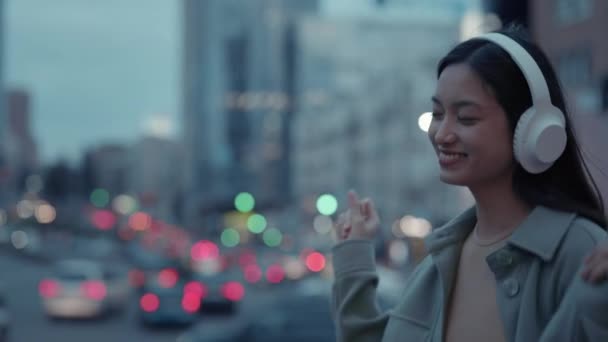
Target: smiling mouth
x: 448, y: 158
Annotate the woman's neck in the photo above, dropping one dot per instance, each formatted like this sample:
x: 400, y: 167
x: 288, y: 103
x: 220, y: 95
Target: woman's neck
x: 499, y: 209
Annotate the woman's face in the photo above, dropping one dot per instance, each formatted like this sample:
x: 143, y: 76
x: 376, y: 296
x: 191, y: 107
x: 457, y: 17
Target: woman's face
x: 469, y: 131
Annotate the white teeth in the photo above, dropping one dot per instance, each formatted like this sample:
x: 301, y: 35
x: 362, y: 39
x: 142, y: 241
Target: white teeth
x: 451, y: 156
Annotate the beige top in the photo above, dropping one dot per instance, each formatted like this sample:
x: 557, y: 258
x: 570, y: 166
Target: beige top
x: 473, y: 313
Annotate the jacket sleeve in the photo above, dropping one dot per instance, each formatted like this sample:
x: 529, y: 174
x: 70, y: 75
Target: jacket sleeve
x: 582, y: 316
x: 356, y: 313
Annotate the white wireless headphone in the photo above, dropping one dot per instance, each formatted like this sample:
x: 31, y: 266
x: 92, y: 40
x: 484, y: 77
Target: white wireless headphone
x: 540, y: 134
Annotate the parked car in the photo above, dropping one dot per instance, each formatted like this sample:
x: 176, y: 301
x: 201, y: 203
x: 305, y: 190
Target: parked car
x: 79, y: 288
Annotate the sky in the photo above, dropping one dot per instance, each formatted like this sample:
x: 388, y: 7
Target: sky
x: 96, y: 71
x: 102, y: 71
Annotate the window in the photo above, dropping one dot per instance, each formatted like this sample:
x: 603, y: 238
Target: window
x: 571, y: 11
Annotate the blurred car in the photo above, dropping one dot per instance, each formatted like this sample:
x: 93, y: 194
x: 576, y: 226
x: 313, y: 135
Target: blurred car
x: 5, y: 317
x: 169, y: 298
x: 222, y: 291
x: 146, y: 264
x: 83, y: 289
x: 294, y: 318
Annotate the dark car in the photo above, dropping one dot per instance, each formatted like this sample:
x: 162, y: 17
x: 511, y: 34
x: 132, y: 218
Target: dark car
x: 169, y: 298
x: 299, y: 318
x: 221, y: 291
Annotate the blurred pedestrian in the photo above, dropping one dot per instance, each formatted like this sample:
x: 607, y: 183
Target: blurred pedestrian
x: 500, y: 271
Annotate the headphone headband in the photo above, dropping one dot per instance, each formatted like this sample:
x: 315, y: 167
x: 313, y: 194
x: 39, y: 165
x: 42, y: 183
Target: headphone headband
x: 527, y: 65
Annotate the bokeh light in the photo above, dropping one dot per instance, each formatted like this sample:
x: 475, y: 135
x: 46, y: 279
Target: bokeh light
x: 327, y: 204
x: 322, y: 224
x: 415, y: 227
x: 275, y: 274
x: 140, y: 221
x: 252, y: 273
x: 45, y: 213
x: 315, y: 262
x: 203, y: 250
x: 100, y: 198
x: 103, y: 219
x: 230, y: 237
x: 19, y: 239
x: 25, y: 209
x: 244, y: 202
x: 424, y: 121
x: 256, y: 223
x: 124, y: 204
x: 272, y: 237
x: 398, y: 252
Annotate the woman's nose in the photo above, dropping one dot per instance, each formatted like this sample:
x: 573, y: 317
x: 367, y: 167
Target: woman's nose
x: 445, y: 133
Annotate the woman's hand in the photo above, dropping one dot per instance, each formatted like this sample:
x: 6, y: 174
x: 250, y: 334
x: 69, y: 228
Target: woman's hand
x: 596, y: 264
x: 360, y: 221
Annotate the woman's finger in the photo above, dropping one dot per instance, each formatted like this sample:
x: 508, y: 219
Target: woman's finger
x: 598, y: 273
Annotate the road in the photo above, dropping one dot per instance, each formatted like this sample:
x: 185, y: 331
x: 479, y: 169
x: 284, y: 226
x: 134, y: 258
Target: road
x: 20, y: 276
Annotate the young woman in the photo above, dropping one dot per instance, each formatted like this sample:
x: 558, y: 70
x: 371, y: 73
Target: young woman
x: 501, y: 270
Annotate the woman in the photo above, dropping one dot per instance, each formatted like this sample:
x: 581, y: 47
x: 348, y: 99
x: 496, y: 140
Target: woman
x: 501, y: 270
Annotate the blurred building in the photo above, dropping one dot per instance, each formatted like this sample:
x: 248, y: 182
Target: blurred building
x: 363, y: 84
x: 4, y: 170
x: 573, y: 33
x: 237, y: 74
x: 23, y: 152
x: 107, y: 168
x: 154, y: 177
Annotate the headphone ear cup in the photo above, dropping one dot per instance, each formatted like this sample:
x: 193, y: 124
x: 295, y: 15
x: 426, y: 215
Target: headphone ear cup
x: 540, y: 138
x: 519, y: 137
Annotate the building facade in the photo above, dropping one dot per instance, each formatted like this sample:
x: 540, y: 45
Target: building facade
x: 573, y: 33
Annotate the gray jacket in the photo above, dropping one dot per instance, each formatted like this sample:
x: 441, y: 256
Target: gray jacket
x: 533, y: 271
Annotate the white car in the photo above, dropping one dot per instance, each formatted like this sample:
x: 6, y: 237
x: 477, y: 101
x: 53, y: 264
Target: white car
x: 83, y: 289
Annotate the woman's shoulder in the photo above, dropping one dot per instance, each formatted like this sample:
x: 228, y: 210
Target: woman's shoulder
x: 582, y: 235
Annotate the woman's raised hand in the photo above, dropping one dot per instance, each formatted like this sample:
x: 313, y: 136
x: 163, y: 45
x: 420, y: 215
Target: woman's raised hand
x: 596, y: 264
x: 359, y: 221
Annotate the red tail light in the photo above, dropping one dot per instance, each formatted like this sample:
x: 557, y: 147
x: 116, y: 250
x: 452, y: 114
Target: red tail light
x: 253, y: 273
x: 149, y: 302
x: 191, y: 302
x: 275, y: 274
x: 196, y: 288
x: 95, y: 290
x: 168, y: 277
x: 49, y: 288
x: 233, y: 291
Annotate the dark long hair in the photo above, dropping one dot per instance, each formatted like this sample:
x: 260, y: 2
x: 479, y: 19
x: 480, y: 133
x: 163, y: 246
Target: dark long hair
x: 567, y: 185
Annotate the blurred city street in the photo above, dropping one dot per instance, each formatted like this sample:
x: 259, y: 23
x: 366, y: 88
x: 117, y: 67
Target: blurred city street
x: 174, y: 170
x: 21, y: 276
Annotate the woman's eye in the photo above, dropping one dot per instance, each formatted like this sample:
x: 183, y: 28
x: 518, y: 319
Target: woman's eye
x: 436, y: 115
x: 467, y: 120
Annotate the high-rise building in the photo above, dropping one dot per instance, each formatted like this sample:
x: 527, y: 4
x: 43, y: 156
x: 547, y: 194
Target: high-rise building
x: 21, y: 147
x: 238, y: 70
x: 361, y: 93
x: 4, y: 163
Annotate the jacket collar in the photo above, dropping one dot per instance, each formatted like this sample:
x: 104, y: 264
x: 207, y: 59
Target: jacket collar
x: 540, y: 233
